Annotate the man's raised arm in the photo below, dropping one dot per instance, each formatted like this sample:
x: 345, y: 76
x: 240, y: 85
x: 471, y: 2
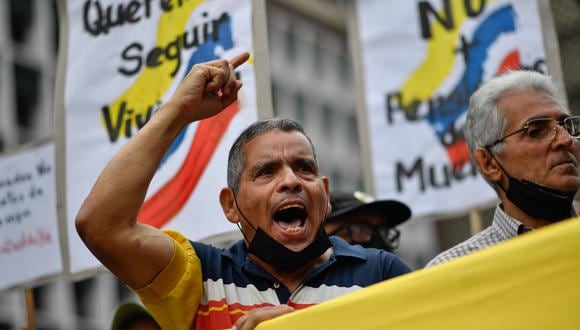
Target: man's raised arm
x: 106, y: 221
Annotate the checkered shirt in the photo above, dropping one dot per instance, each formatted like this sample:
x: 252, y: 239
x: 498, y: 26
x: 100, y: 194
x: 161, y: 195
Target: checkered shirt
x: 502, y: 228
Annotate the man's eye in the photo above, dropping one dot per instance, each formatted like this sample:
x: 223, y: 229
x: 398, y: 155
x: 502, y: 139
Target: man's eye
x: 305, y: 168
x: 537, y: 131
x: 534, y: 132
x: 264, y: 171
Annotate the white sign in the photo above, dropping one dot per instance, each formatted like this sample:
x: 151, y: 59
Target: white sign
x: 125, y: 58
x: 422, y: 60
x: 29, y: 240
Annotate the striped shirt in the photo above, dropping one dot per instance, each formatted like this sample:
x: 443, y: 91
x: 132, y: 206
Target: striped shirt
x: 232, y: 284
x: 503, y: 227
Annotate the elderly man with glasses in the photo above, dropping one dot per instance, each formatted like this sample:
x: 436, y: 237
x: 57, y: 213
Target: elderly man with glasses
x: 525, y: 144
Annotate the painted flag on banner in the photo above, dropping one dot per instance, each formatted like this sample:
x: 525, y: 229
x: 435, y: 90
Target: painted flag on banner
x: 29, y: 240
x: 422, y: 60
x: 125, y: 58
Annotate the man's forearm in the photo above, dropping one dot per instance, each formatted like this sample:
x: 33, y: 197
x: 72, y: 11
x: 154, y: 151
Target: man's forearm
x: 122, y: 185
x: 107, y: 219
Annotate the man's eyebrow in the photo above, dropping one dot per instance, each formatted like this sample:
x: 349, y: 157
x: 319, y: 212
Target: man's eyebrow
x: 307, y: 160
x: 562, y: 116
x: 260, y: 164
x: 304, y: 158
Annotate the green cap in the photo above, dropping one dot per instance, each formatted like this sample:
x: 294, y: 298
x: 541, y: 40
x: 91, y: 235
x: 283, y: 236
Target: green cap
x: 129, y: 312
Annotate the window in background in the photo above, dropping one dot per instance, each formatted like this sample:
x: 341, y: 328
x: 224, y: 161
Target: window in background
x: 327, y: 120
x: 21, y: 19
x: 27, y: 93
x: 123, y: 292
x: 318, y: 54
x: 300, y: 107
x: 275, y: 96
x: 336, y: 180
x: 291, y: 45
x: 352, y: 129
x: 55, y: 30
x: 83, y: 291
x: 344, y: 66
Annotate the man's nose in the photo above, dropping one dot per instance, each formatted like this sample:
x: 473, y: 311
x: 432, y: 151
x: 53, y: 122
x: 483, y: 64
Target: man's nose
x: 289, y: 180
x: 562, y: 136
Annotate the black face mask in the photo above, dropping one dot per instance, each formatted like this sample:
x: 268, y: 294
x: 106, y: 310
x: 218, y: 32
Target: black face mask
x: 539, y: 201
x: 269, y: 250
x: 378, y: 242
x: 280, y: 257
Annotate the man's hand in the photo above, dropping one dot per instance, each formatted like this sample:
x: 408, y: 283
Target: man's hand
x: 251, y: 320
x: 208, y: 89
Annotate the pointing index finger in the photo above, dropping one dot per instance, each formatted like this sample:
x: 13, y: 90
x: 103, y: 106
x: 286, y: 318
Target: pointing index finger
x: 240, y: 59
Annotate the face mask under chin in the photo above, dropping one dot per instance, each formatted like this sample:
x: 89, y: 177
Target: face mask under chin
x: 279, y: 256
x: 538, y: 201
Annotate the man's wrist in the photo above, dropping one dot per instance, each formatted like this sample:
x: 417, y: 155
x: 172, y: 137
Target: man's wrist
x: 177, y: 113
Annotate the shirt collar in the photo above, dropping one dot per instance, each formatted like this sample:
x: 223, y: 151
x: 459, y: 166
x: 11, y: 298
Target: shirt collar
x: 342, y: 249
x: 507, y: 225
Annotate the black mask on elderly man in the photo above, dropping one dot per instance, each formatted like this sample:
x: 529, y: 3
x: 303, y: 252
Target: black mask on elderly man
x: 539, y: 201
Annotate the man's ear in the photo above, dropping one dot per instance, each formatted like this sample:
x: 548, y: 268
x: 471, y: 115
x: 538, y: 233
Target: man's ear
x: 487, y: 164
x: 228, y: 205
x: 327, y: 191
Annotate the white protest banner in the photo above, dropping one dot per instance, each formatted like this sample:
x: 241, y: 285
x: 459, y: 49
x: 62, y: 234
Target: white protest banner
x: 29, y: 240
x: 124, y: 59
x: 421, y: 62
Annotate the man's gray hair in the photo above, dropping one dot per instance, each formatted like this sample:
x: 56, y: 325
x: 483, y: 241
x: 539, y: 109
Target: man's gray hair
x: 236, y: 155
x: 485, y: 122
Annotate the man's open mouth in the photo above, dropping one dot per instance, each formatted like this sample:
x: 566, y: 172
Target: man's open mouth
x: 291, y: 217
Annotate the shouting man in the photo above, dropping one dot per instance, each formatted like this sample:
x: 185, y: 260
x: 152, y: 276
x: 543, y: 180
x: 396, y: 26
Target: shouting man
x: 275, y: 195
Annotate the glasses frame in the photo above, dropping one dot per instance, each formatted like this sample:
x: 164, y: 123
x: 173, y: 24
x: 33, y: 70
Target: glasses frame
x: 527, y: 125
x: 393, y: 241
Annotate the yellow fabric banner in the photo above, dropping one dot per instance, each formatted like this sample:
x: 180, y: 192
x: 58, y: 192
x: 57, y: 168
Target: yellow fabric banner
x: 531, y: 282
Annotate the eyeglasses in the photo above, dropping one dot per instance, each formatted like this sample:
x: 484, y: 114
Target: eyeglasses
x: 545, y: 129
x: 360, y: 233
